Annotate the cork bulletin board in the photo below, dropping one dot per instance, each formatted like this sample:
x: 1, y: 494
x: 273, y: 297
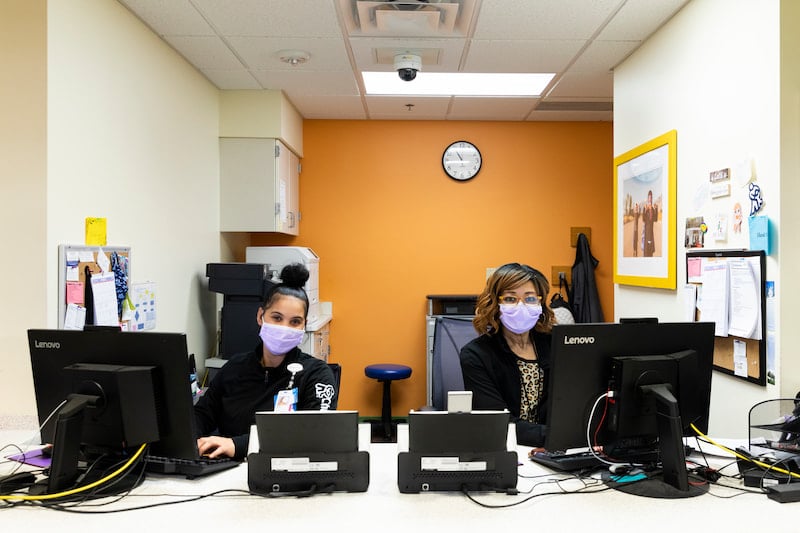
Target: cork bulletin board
x: 85, y: 256
x: 743, y: 355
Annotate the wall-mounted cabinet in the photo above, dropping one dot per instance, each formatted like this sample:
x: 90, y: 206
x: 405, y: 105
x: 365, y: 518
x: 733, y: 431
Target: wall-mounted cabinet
x: 259, y: 186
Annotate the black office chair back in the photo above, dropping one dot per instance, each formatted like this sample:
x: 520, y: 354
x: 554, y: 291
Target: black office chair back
x: 450, y: 335
x: 336, y: 368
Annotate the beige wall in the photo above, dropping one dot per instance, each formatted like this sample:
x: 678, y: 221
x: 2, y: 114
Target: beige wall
x: 131, y: 135
x: 790, y: 192
x: 713, y: 74
x: 23, y: 184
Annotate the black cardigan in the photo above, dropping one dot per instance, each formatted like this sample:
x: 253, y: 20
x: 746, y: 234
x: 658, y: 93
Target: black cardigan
x: 490, y: 371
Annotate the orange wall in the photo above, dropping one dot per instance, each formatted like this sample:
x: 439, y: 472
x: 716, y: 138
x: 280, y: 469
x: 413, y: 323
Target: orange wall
x: 391, y: 228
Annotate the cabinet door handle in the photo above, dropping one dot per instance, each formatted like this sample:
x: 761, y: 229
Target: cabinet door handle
x: 291, y: 218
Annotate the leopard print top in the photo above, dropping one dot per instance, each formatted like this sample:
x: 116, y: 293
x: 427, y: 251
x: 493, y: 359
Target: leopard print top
x: 532, y: 383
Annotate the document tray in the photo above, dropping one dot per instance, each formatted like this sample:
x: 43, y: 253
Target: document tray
x: 485, y: 471
x: 303, y: 472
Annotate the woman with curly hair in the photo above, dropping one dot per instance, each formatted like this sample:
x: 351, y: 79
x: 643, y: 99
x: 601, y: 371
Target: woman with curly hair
x: 506, y: 366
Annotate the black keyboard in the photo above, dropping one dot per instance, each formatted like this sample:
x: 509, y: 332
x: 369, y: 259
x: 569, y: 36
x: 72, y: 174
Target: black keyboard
x: 566, y: 462
x: 191, y: 468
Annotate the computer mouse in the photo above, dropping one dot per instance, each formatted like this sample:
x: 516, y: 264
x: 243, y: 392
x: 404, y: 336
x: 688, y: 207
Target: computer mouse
x: 620, y: 469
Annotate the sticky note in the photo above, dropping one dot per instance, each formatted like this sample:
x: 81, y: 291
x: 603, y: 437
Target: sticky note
x: 95, y: 231
x: 759, y: 233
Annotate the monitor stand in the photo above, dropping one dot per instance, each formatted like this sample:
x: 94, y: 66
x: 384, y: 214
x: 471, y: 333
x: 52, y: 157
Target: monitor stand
x: 121, y: 484
x: 69, y: 466
x: 672, y: 481
x: 653, y: 486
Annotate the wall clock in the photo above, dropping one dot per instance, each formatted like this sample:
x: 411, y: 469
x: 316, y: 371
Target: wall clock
x: 461, y: 160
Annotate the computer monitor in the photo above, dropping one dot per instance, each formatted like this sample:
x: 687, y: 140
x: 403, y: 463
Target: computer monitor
x: 659, y: 377
x: 122, y: 389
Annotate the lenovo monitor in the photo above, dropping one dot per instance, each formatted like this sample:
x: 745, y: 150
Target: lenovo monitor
x: 634, y: 390
x: 108, y: 393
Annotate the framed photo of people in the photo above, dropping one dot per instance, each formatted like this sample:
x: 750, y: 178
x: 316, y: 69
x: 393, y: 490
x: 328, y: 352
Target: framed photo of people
x: 645, y: 214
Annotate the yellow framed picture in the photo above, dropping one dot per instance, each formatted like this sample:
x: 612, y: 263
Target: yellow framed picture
x: 645, y: 185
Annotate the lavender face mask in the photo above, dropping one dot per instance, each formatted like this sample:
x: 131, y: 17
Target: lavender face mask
x: 280, y: 339
x: 520, y: 317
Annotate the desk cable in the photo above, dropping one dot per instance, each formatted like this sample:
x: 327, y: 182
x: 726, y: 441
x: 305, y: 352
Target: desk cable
x: 591, y: 443
x: 767, y: 466
x: 23, y: 447
x: 588, y: 489
x: 44, y: 497
x: 311, y: 491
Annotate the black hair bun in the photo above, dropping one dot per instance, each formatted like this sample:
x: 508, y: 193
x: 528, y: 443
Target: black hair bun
x: 295, y: 275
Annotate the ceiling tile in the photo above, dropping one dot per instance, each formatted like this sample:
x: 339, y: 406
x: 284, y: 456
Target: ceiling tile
x: 602, y: 56
x: 394, y: 107
x: 274, y: 18
x: 261, y: 53
x: 309, y: 82
x: 368, y: 51
x: 331, y: 107
x: 638, y: 19
x: 205, y: 52
x: 521, y: 56
x: 170, y: 17
x: 590, y: 85
x: 232, y: 79
x: 491, y: 108
x: 542, y: 19
x: 572, y: 116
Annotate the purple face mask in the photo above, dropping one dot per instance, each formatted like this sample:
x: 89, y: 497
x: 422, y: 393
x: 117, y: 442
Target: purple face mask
x: 520, y: 317
x: 280, y: 339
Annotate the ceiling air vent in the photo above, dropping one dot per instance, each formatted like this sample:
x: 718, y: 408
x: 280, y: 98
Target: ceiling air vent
x: 407, y: 18
x: 575, y: 106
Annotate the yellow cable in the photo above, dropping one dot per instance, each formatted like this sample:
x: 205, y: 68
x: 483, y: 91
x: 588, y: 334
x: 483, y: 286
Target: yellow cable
x: 768, y: 466
x: 21, y: 497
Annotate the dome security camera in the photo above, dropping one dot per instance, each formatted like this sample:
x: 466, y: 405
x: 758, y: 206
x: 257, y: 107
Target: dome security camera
x: 407, y: 66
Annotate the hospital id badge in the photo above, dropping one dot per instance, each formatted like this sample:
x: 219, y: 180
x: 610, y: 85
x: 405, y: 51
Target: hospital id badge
x: 286, y: 401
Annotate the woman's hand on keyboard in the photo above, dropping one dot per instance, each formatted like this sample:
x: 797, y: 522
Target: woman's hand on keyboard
x: 214, y: 447
x: 534, y: 451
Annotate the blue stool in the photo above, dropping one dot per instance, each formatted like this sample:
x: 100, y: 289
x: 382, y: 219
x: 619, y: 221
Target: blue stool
x: 386, y: 373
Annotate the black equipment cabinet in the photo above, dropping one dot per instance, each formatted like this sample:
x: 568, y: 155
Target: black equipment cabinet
x: 244, y: 287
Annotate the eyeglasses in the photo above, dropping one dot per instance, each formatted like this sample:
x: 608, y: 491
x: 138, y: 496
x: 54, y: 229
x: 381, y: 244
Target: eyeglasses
x: 510, y: 299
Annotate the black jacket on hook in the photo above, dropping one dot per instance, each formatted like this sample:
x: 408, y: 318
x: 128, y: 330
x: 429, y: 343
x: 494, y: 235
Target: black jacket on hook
x: 583, y: 296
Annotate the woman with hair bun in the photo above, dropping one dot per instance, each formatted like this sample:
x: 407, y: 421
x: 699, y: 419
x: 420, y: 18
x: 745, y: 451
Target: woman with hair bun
x: 275, y: 376
x: 506, y: 366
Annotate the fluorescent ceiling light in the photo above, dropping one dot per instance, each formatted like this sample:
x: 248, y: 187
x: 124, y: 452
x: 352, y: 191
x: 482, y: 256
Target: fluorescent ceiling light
x: 456, y: 84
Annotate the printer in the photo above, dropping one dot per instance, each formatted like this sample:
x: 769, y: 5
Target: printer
x: 278, y: 257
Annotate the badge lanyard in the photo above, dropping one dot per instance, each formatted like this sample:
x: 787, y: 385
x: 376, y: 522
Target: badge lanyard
x: 286, y: 400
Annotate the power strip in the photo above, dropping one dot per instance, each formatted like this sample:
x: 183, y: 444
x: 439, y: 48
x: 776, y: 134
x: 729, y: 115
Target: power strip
x: 785, y: 493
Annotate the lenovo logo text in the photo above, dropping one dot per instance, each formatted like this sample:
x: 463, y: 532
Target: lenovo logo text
x: 578, y: 340
x: 41, y: 344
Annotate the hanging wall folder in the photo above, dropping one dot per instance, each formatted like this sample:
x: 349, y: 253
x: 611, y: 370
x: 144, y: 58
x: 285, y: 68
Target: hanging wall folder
x: 72, y: 260
x: 731, y: 288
